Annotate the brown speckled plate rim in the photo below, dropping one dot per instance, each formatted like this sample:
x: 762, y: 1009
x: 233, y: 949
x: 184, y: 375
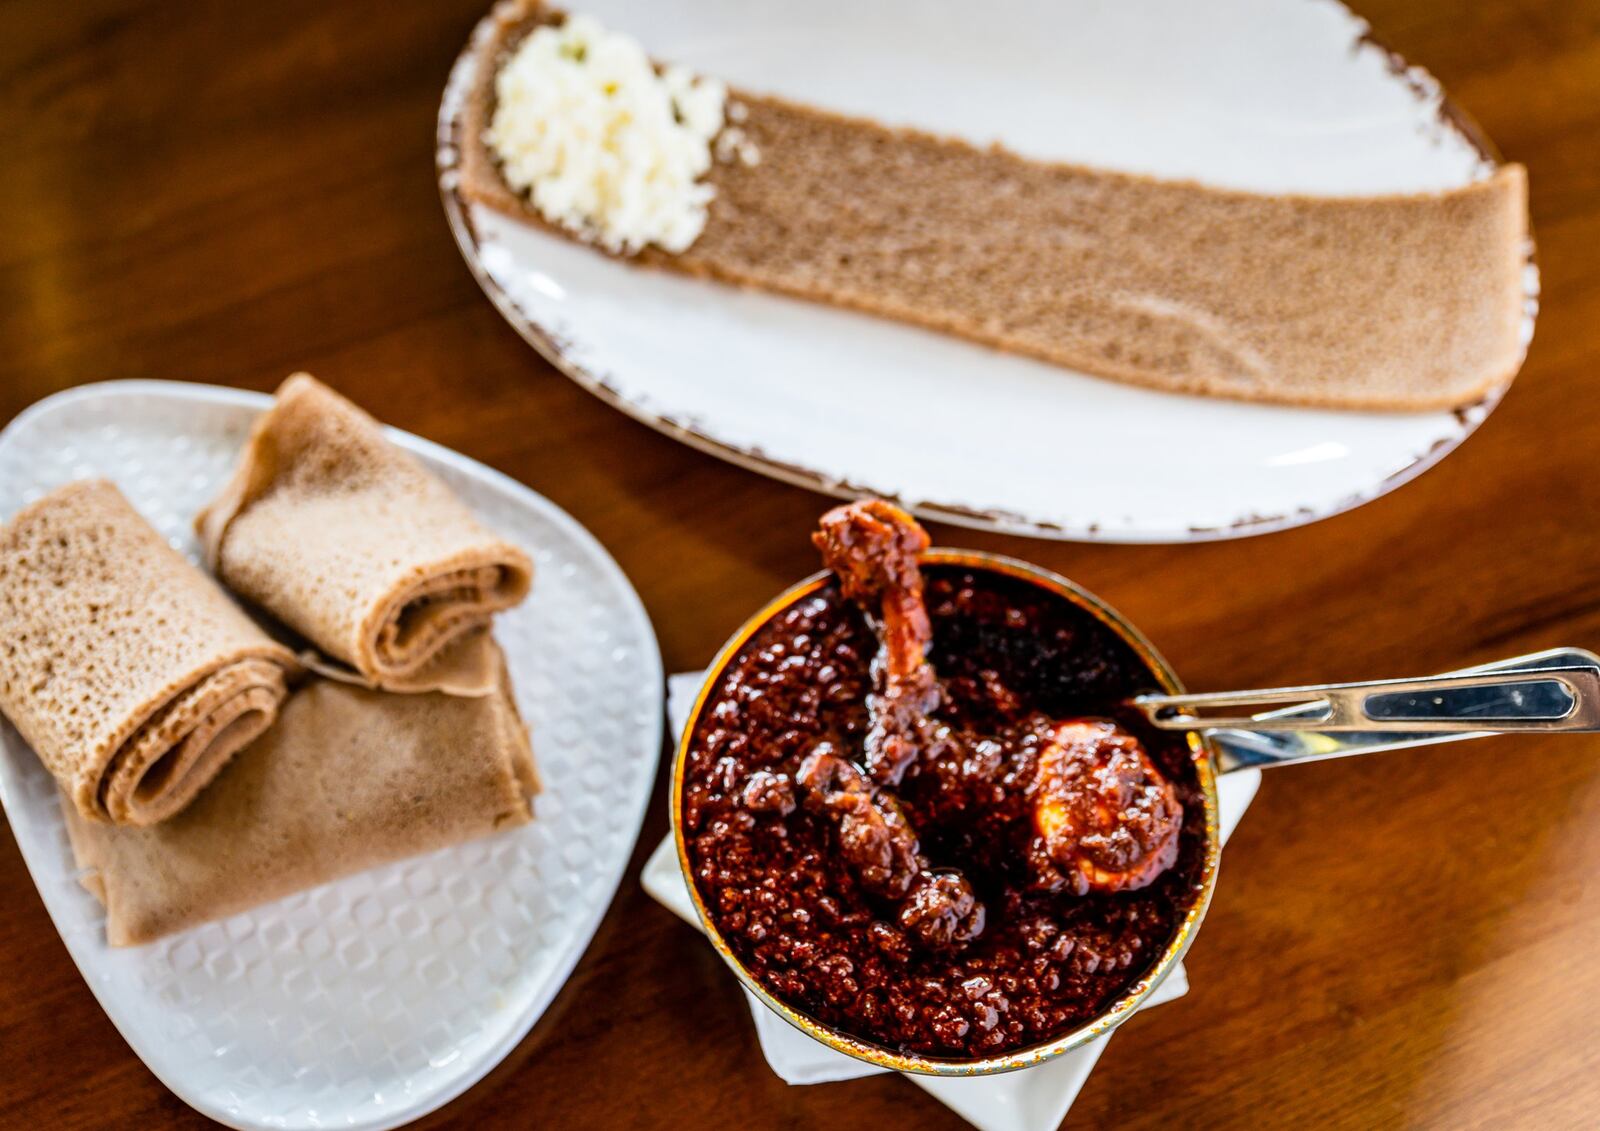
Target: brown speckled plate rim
x: 1131, y: 999
x: 549, y: 345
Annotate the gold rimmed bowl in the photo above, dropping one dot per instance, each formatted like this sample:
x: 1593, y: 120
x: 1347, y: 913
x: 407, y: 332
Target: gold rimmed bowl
x: 1556, y: 690
x: 1161, y: 676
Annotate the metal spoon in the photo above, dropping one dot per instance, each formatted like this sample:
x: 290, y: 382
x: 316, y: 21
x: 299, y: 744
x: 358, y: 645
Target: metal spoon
x: 1556, y: 690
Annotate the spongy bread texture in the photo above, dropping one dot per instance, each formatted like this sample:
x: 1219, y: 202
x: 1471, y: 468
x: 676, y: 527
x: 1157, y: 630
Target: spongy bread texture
x: 347, y: 779
x: 1391, y: 302
x: 352, y: 543
x: 113, y: 647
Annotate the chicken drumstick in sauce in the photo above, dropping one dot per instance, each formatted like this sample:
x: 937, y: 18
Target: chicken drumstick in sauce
x: 874, y: 547
x: 936, y: 907
x: 1107, y: 820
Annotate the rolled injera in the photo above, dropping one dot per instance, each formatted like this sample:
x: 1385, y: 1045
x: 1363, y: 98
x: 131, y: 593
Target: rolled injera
x: 347, y: 780
x: 128, y: 670
x: 352, y: 543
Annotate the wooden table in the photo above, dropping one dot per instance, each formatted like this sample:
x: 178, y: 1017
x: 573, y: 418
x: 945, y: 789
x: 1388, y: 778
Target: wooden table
x: 226, y: 192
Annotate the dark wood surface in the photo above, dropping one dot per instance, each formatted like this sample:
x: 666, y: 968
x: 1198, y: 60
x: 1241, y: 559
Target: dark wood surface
x: 226, y: 192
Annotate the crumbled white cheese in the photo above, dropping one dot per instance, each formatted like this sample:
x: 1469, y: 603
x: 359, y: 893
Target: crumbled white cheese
x: 603, y: 144
x: 732, y: 145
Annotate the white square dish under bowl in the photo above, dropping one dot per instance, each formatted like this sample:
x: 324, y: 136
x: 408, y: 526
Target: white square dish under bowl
x: 1033, y: 1099
x: 370, y: 1001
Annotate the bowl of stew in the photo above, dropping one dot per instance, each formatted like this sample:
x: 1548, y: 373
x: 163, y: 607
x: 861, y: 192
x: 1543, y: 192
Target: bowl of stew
x: 873, y: 795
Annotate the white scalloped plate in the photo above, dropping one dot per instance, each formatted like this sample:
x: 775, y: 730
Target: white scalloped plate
x: 371, y: 1001
x: 1266, y: 95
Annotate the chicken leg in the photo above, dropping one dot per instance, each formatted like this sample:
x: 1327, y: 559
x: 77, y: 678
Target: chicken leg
x: 873, y: 548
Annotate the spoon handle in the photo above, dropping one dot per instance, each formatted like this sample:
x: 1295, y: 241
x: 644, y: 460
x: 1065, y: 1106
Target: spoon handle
x: 1557, y: 690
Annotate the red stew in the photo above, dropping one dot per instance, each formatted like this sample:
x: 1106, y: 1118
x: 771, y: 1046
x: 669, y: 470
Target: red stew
x: 1031, y: 962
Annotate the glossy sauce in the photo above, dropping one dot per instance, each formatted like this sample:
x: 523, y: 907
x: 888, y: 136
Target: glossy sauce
x: 1009, y: 656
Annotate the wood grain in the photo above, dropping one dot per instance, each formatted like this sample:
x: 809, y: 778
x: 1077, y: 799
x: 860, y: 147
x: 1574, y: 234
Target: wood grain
x: 223, y: 192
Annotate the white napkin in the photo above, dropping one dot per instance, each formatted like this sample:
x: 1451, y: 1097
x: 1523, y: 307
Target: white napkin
x: 1034, y: 1099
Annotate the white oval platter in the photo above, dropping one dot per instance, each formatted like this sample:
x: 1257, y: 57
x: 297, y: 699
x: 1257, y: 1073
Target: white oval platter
x: 1267, y: 95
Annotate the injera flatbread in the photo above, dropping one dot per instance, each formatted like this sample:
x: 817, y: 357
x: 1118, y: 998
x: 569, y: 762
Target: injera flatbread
x: 128, y: 670
x: 347, y: 780
x: 1397, y: 301
x: 352, y: 543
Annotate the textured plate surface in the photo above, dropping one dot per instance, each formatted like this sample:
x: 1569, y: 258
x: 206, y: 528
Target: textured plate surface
x: 1267, y: 95
x: 370, y: 1001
